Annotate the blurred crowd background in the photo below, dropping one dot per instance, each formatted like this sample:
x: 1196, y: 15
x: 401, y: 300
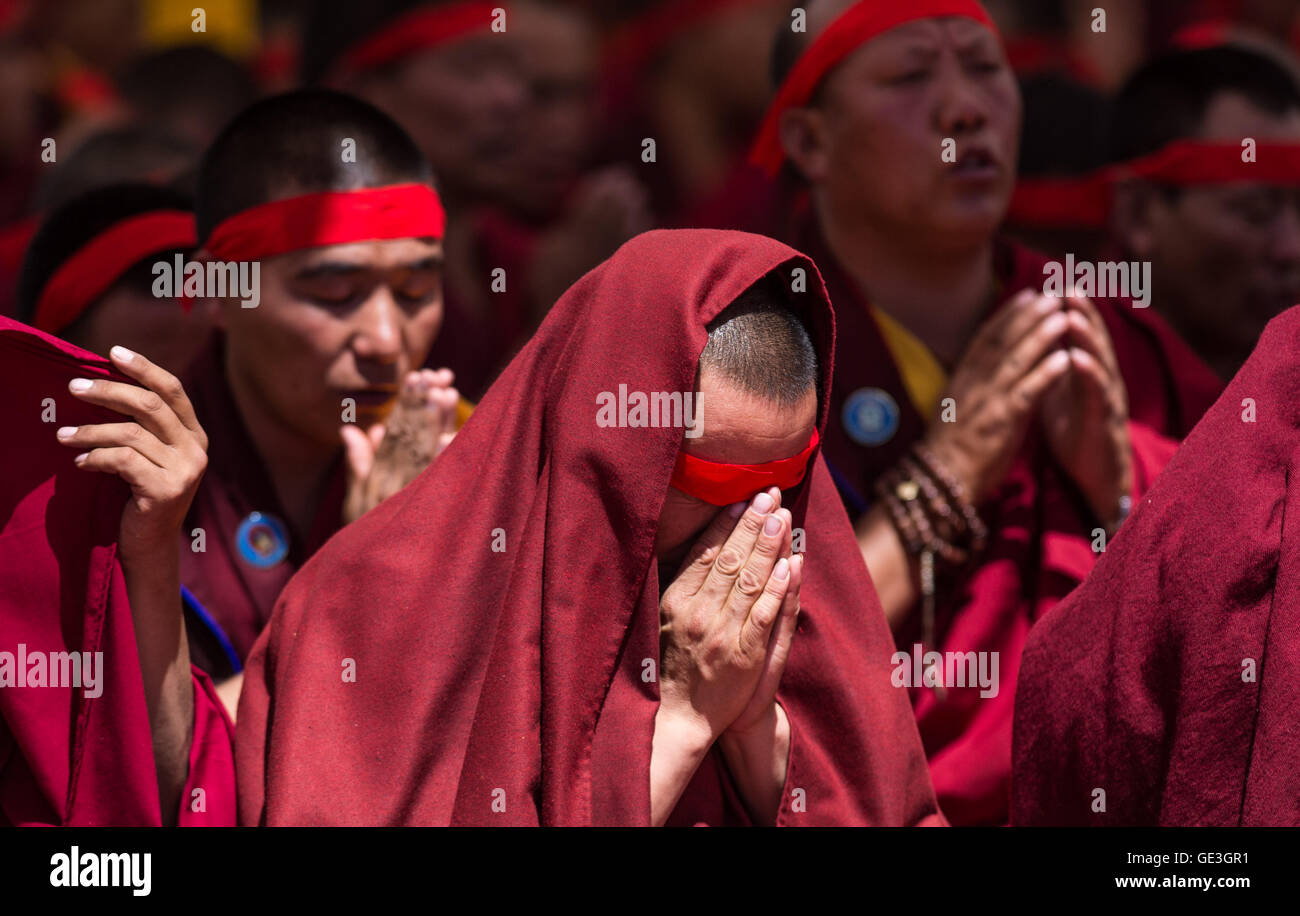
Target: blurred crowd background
x: 538, y: 139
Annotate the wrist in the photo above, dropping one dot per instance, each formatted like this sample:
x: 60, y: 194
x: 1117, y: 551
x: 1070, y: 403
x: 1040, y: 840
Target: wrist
x: 688, y: 733
x: 758, y: 759
x: 955, y: 466
x: 678, y: 748
x: 734, y: 739
x: 148, y: 537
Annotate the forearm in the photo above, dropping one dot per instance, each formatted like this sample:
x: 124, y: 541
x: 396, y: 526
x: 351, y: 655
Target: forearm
x: 758, y: 762
x: 893, y: 571
x: 153, y: 588
x: 677, y: 752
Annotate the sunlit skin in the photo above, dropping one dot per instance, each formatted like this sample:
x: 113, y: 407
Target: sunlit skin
x: 1225, y: 259
x: 729, y: 614
x: 929, y: 81
x: 739, y: 428
x: 158, y: 448
x: 344, y: 321
x: 918, y: 233
x: 170, y: 333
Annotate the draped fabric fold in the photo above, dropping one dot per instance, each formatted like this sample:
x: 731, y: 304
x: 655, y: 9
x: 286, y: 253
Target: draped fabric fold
x: 78, y: 755
x: 481, y: 648
x: 1164, y: 690
x: 1041, y: 530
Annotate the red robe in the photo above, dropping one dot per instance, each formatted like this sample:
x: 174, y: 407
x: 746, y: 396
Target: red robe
x: 514, y: 678
x: 67, y: 758
x: 1040, y: 544
x: 234, y: 594
x: 14, y: 239
x: 1171, y: 679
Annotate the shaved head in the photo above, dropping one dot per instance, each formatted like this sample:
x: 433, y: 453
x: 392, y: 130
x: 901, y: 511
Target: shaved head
x: 291, y: 144
x: 759, y: 344
x: 758, y: 383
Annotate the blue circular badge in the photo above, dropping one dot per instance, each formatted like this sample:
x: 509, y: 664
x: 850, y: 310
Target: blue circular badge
x: 262, y: 540
x: 870, y: 416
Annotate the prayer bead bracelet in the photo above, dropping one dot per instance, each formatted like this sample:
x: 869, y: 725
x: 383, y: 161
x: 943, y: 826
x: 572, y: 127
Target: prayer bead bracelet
x: 929, y: 509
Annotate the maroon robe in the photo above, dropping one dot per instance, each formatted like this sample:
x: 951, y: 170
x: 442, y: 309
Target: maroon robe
x: 14, y: 239
x: 507, y: 685
x: 235, y: 595
x: 1170, y: 681
x: 78, y: 755
x: 1040, y: 545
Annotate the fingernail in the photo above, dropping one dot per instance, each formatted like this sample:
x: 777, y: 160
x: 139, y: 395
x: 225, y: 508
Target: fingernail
x: 66, y: 432
x: 81, y: 459
x: 122, y: 354
x: 782, y: 570
x: 80, y: 384
x: 772, y: 525
x: 736, y: 510
x: 763, y: 502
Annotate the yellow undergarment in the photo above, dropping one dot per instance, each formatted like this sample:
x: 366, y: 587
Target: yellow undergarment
x: 923, y: 375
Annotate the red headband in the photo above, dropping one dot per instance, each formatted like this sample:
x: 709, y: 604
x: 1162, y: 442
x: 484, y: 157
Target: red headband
x: 97, y: 265
x: 1085, y: 200
x: 329, y: 218
x: 855, y: 27
x: 723, y: 484
x: 418, y: 30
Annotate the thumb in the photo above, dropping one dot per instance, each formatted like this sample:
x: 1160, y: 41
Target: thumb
x: 359, y: 452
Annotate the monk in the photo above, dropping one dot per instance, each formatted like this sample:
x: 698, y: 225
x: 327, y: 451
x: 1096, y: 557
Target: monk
x: 105, y: 723
x: 88, y: 275
x: 979, y: 429
x: 1164, y: 690
x: 1225, y: 256
x: 456, y: 85
x: 475, y: 83
x: 310, y: 390
x: 132, y: 153
x: 591, y: 612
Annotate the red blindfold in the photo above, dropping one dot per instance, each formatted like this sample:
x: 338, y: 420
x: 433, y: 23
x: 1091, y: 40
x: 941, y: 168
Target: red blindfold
x: 328, y: 218
x: 722, y: 484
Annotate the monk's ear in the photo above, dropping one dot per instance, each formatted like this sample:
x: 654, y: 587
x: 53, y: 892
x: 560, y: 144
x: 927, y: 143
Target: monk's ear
x: 803, y: 138
x: 1136, y: 215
